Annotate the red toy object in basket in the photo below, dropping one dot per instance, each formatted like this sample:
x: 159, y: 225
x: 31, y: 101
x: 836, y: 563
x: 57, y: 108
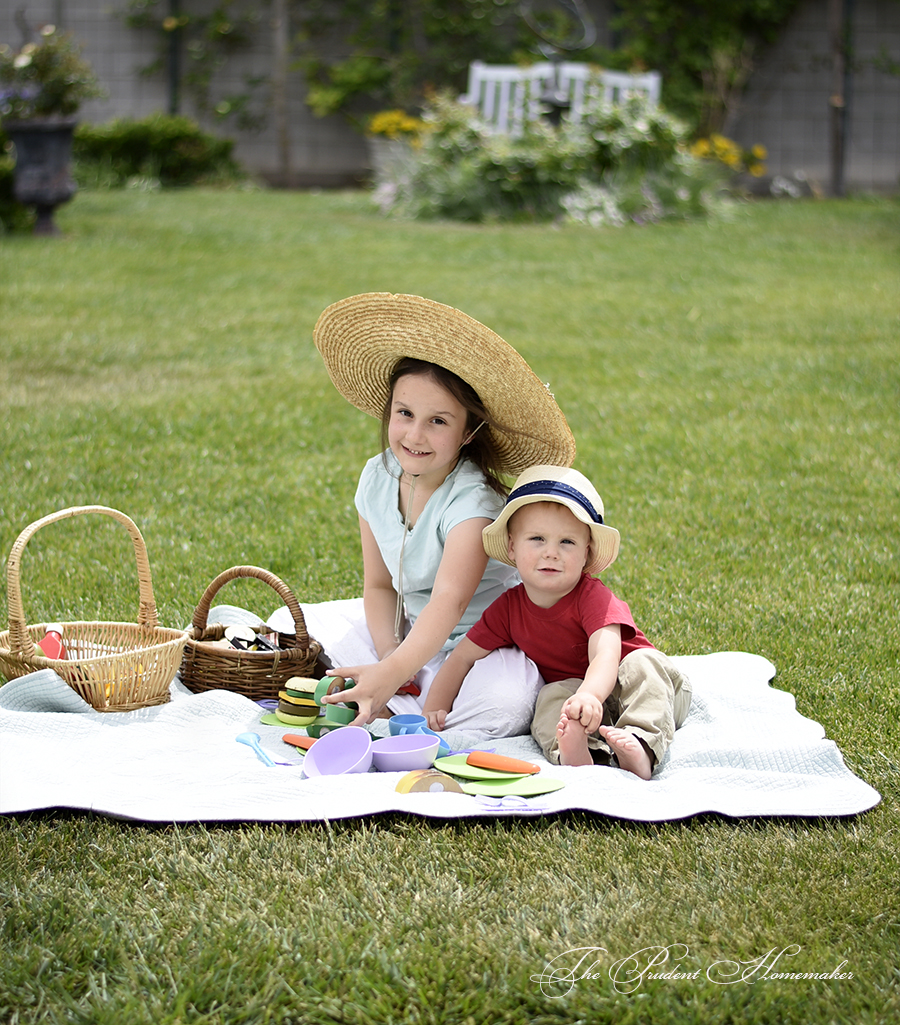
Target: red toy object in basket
x: 52, y: 645
x: 114, y: 666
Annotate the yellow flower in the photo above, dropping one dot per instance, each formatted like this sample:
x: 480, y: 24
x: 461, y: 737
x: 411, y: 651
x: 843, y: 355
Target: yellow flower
x: 760, y: 152
x: 757, y: 170
x: 394, y: 124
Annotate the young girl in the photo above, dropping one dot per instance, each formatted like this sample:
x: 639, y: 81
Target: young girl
x: 460, y: 409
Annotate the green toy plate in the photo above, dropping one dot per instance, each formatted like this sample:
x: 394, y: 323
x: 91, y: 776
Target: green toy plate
x: 521, y: 786
x: 457, y: 765
x: 271, y: 719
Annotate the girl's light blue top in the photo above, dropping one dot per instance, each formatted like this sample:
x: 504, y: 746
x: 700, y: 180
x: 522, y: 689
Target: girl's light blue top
x: 463, y: 495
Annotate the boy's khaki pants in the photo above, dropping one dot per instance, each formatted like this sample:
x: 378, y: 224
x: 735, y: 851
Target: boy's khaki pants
x: 651, y: 699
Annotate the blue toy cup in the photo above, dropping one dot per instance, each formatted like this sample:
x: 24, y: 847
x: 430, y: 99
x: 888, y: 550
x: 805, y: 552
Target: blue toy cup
x: 401, y: 724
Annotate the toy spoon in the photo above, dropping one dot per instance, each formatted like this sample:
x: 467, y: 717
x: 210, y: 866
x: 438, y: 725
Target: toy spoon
x: 252, y: 740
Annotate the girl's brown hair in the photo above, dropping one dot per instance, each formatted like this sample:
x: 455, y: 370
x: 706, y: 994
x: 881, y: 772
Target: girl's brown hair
x: 480, y: 448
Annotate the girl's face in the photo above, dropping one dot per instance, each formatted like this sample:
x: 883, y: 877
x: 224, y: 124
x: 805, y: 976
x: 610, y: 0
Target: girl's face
x: 426, y: 427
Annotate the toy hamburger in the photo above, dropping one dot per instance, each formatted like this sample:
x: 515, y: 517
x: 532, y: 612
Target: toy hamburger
x: 297, y: 703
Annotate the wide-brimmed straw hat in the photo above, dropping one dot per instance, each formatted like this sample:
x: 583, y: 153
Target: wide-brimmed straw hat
x: 362, y: 339
x: 568, y: 487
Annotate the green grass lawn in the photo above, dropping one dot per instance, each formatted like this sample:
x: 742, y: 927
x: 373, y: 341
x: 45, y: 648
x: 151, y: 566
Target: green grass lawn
x: 734, y: 390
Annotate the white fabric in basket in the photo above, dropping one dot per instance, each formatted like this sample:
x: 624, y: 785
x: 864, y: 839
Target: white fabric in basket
x: 743, y: 751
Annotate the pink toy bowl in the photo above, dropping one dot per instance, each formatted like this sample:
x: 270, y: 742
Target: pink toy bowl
x: 405, y: 752
x: 348, y: 749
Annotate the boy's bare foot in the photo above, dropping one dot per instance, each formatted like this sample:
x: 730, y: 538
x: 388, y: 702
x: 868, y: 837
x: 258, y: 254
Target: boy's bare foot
x: 573, y: 742
x: 629, y: 751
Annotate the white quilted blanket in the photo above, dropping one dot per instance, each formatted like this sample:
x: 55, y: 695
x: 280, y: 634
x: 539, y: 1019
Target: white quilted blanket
x: 743, y: 751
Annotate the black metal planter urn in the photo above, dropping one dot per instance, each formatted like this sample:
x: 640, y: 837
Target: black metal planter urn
x: 43, y: 176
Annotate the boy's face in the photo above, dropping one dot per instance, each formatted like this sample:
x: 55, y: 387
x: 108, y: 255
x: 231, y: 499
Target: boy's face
x: 550, y: 547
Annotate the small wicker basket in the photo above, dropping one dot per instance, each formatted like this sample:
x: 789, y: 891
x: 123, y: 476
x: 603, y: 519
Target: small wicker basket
x: 115, y: 667
x: 257, y: 675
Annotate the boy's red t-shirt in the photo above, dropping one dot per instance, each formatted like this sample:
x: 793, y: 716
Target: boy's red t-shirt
x: 556, y: 639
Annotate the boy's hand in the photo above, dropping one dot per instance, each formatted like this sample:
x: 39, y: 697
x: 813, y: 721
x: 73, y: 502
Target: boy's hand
x: 436, y: 719
x: 586, y: 709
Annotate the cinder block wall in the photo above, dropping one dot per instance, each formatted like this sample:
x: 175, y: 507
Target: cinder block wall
x: 786, y: 106
x: 323, y: 152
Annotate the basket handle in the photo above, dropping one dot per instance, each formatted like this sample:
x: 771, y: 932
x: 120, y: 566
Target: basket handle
x: 201, y: 613
x: 20, y: 641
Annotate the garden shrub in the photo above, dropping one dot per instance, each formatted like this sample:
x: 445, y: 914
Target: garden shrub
x: 620, y: 162
x: 14, y: 216
x: 170, y: 149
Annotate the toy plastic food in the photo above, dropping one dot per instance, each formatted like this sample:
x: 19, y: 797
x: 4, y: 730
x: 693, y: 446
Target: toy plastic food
x: 302, y: 687
x: 458, y: 766
x: 339, y: 715
x: 296, y: 740
x: 51, y: 646
x: 427, y: 781
x: 243, y: 637
x: 501, y: 763
x: 296, y: 707
x: 329, y: 685
x: 321, y: 728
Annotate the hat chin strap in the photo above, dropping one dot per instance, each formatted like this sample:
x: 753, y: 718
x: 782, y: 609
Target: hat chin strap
x: 413, y: 477
x: 472, y: 435
x: 398, y: 612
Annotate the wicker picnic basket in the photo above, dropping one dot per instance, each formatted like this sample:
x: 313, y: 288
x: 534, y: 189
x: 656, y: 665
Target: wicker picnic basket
x: 257, y: 675
x: 115, y: 667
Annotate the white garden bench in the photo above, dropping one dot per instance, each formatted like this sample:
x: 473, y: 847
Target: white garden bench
x: 507, y: 95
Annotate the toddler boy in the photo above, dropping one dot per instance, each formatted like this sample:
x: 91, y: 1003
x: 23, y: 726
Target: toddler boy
x: 609, y: 696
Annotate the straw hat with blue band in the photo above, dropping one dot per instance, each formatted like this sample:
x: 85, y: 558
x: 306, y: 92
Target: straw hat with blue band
x: 362, y: 339
x: 568, y: 487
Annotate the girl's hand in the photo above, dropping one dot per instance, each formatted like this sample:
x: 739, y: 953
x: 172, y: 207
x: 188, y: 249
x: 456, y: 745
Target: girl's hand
x: 436, y: 719
x: 373, y: 688
x: 585, y: 708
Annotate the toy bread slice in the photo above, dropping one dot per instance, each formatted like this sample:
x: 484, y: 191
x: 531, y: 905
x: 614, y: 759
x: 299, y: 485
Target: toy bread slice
x: 301, y: 687
x: 427, y: 781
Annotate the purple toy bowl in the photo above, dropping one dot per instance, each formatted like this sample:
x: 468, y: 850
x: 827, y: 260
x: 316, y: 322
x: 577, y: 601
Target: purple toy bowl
x: 405, y: 752
x: 348, y: 749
